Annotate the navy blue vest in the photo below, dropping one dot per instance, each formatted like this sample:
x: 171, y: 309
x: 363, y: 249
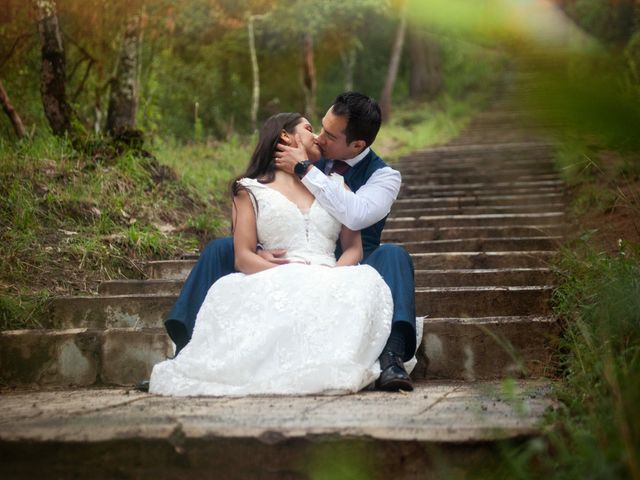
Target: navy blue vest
x: 356, y: 177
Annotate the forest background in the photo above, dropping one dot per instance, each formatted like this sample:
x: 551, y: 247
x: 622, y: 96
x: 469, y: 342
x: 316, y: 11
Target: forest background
x: 126, y: 120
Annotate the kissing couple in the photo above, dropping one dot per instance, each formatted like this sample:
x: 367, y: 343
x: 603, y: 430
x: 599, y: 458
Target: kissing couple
x: 302, y: 299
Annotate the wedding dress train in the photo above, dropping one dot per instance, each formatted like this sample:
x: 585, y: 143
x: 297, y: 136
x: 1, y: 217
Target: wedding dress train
x: 306, y: 327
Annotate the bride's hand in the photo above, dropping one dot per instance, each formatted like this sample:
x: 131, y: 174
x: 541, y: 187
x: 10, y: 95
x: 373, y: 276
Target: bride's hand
x: 273, y: 256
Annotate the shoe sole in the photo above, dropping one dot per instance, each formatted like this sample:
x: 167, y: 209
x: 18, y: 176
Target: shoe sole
x: 396, y: 385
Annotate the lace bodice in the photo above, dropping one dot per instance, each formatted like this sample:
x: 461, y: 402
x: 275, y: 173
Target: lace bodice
x: 308, y: 237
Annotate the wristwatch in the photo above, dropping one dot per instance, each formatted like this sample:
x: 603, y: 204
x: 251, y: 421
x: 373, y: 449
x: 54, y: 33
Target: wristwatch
x: 301, y: 168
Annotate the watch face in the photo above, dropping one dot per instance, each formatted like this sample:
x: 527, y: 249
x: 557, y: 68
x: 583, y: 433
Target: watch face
x: 300, y: 168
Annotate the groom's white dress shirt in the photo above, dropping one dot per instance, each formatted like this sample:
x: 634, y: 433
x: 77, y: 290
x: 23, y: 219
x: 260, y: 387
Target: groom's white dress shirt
x: 359, y: 209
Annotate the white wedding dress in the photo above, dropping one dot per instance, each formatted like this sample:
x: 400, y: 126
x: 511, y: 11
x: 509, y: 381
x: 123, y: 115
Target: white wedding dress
x: 299, y: 328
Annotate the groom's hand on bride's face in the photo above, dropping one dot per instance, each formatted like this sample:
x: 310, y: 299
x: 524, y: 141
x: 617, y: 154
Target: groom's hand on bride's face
x: 287, y: 157
x: 273, y: 256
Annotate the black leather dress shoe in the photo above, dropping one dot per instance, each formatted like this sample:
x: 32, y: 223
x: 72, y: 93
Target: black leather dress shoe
x: 393, y: 377
x: 143, y: 386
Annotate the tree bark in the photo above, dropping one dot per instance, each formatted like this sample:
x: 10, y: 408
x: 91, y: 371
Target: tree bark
x: 255, y: 99
x: 123, y: 99
x: 425, y: 81
x: 6, y: 12
x: 16, y: 121
x: 348, y: 65
x: 309, y: 78
x: 52, y: 81
x: 394, y: 64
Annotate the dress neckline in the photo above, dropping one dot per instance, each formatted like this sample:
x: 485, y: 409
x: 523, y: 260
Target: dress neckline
x: 303, y: 211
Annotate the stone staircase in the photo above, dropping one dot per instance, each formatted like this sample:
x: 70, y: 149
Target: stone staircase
x: 482, y: 218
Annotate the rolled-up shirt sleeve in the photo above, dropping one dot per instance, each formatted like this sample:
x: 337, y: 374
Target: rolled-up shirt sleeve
x: 359, y: 209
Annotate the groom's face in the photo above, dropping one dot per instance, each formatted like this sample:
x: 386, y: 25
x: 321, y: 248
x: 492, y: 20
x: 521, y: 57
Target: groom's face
x: 333, y: 140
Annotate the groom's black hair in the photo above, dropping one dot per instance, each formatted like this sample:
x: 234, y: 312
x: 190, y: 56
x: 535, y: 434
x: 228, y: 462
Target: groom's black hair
x: 363, y: 116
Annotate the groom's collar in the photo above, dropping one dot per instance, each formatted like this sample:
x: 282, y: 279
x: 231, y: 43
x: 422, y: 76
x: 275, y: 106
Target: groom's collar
x: 353, y: 161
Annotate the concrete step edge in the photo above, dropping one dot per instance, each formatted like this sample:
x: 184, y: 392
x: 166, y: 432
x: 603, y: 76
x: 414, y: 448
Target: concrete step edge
x: 484, y: 270
x: 528, y: 253
x: 491, y: 320
x: 481, y: 216
x: 493, y: 288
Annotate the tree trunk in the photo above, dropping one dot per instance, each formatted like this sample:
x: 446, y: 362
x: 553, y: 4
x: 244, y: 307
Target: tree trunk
x: 6, y: 13
x: 348, y: 65
x: 426, y: 66
x: 394, y: 64
x: 255, y: 99
x: 16, y: 121
x: 309, y: 78
x: 52, y: 82
x: 123, y: 100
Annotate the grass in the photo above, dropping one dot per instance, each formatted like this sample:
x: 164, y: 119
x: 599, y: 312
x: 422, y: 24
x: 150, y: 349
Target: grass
x: 417, y: 126
x: 71, y: 219
x: 596, y: 433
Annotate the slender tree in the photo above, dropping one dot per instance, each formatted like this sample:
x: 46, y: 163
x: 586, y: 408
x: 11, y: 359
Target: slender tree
x: 123, y: 100
x: 53, y: 74
x: 255, y: 97
x: 348, y: 59
x: 15, y: 119
x: 425, y: 79
x: 394, y: 64
x: 309, y: 78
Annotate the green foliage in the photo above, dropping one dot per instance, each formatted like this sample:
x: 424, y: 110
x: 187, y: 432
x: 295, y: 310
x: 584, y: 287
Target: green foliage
x: 600, y: 298
x: 596, y: 433
x: 70, y: 220
x: 611, y: 22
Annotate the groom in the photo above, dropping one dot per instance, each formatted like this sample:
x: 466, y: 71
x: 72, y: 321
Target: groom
x: 348, y: 130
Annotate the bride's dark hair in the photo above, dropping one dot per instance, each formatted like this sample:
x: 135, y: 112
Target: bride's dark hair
x: 262, y: 166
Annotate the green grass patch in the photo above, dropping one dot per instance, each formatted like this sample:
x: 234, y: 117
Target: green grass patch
x: 70, y: 219
x: 596, y: 434
x: 420, y: 125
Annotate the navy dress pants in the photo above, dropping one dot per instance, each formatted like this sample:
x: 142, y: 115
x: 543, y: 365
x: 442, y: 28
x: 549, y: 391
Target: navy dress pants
x: 217, y: 260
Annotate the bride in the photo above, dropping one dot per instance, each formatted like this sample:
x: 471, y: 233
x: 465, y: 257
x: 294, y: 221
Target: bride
x: 315, y: 325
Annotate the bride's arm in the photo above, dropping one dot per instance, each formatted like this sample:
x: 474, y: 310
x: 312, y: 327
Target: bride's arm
x: 351, y: 243
x: 245, y: 237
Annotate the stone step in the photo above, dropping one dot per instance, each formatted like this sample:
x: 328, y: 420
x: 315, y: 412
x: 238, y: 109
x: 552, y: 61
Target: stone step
x: 450, y: 178
x: 169, y: 269
x: 118, y: 433
x: 507, y: 158
x: 487, y: 219
x: 476, y: 348
x: 474, y: 260
x: 81, y: 356
x: 398, y: 235
x: 445, y: 151
x: 149, y: 311
x: 461, y: 192
x: 483, y: 244
x: 472, y: 302
x: 474, y: 166
x: 111, y: 311
x: 460, y: 277
x: 141, y: 287
x: 403, y: 210
x: 484, y: 277
x: 427, y: 186
x: 180, y: 269
x: 125, y: 356
x: 422, y: 201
